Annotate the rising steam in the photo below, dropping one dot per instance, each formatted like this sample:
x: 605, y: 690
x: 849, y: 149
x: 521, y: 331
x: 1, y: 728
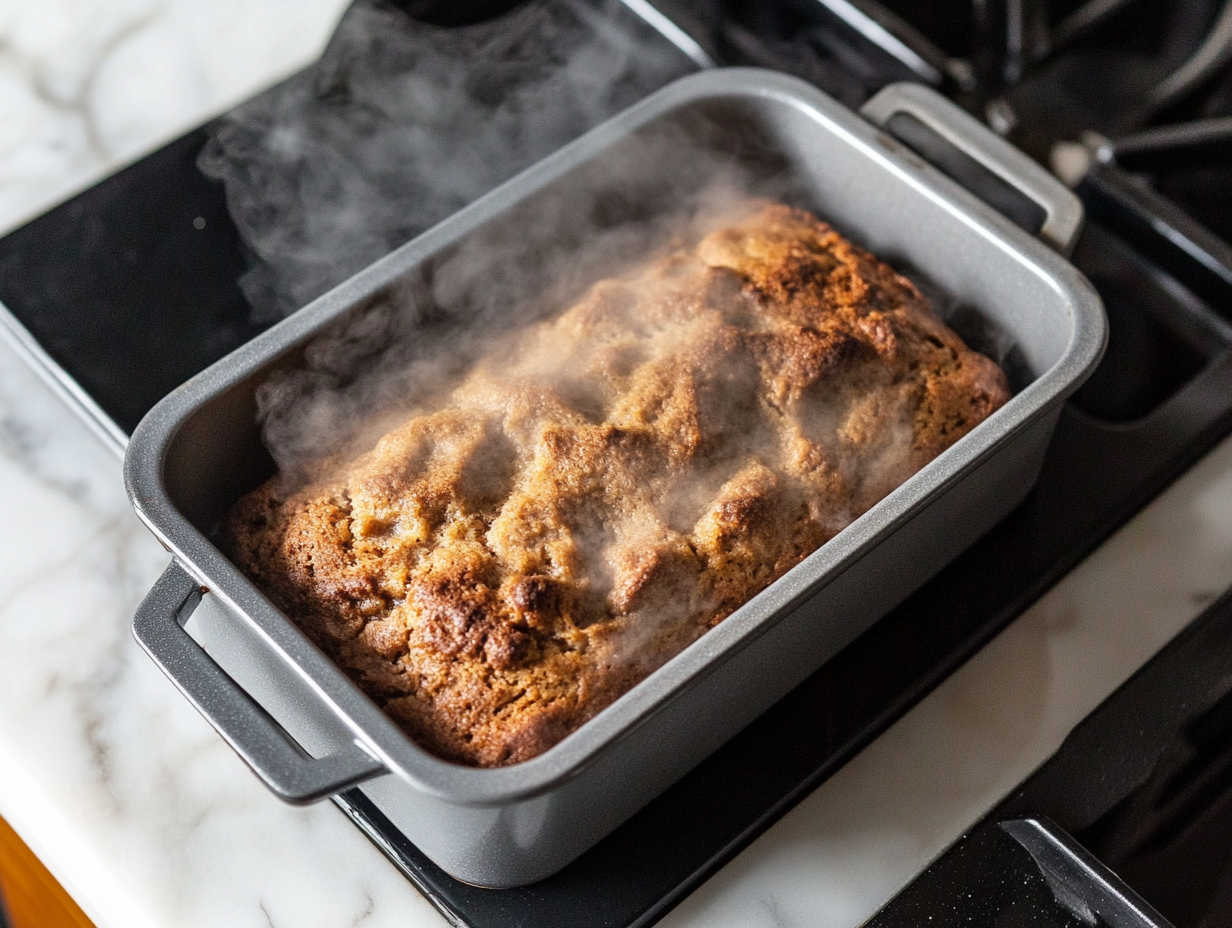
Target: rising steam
x: 400, y: 124
x: 498, y: 469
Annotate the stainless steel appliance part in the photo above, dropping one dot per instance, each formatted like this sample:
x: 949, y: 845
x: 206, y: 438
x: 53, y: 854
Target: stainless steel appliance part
x: 199, y: 450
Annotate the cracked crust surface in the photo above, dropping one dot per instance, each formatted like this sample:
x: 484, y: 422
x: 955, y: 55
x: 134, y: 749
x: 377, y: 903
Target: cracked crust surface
x: 593, y: 498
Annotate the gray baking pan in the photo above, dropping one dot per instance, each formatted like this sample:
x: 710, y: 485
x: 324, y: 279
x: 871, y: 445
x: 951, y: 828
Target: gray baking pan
x: 307, y: 730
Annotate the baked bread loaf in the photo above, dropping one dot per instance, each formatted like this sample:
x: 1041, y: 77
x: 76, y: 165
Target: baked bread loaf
x: 593, y: 498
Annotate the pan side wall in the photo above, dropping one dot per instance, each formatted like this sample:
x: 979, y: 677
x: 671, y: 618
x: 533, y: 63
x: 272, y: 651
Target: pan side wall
x: 728, y: 678
x: 528, y: 840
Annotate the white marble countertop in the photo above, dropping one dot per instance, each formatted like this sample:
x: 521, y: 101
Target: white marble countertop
x: 148, y: 819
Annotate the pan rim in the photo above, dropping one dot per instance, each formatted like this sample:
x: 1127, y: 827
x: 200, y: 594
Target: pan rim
x: 155, y: 435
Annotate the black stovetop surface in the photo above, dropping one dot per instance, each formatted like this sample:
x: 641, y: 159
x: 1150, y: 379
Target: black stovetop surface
x: 131, y: 287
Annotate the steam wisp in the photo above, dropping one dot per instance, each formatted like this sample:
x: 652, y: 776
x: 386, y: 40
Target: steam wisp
x: 401, y: 123
x: 404, y: 353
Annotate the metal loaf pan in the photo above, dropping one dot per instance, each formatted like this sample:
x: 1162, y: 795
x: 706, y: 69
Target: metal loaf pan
x: 199, y: 450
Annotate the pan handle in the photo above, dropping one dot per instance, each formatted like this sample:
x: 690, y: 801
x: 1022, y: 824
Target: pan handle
x: 259, y: 740
x: 983, y: 162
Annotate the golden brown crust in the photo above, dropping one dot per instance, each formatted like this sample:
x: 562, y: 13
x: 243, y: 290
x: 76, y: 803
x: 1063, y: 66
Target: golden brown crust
x: 587, y: 504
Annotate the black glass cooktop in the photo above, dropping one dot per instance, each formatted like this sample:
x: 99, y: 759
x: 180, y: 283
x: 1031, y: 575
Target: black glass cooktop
x: 144, y: 279
x: 134, y: 285
x: 130, y: 287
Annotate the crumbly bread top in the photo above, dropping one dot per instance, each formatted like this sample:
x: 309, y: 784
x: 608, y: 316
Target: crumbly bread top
x: 595, y: 496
